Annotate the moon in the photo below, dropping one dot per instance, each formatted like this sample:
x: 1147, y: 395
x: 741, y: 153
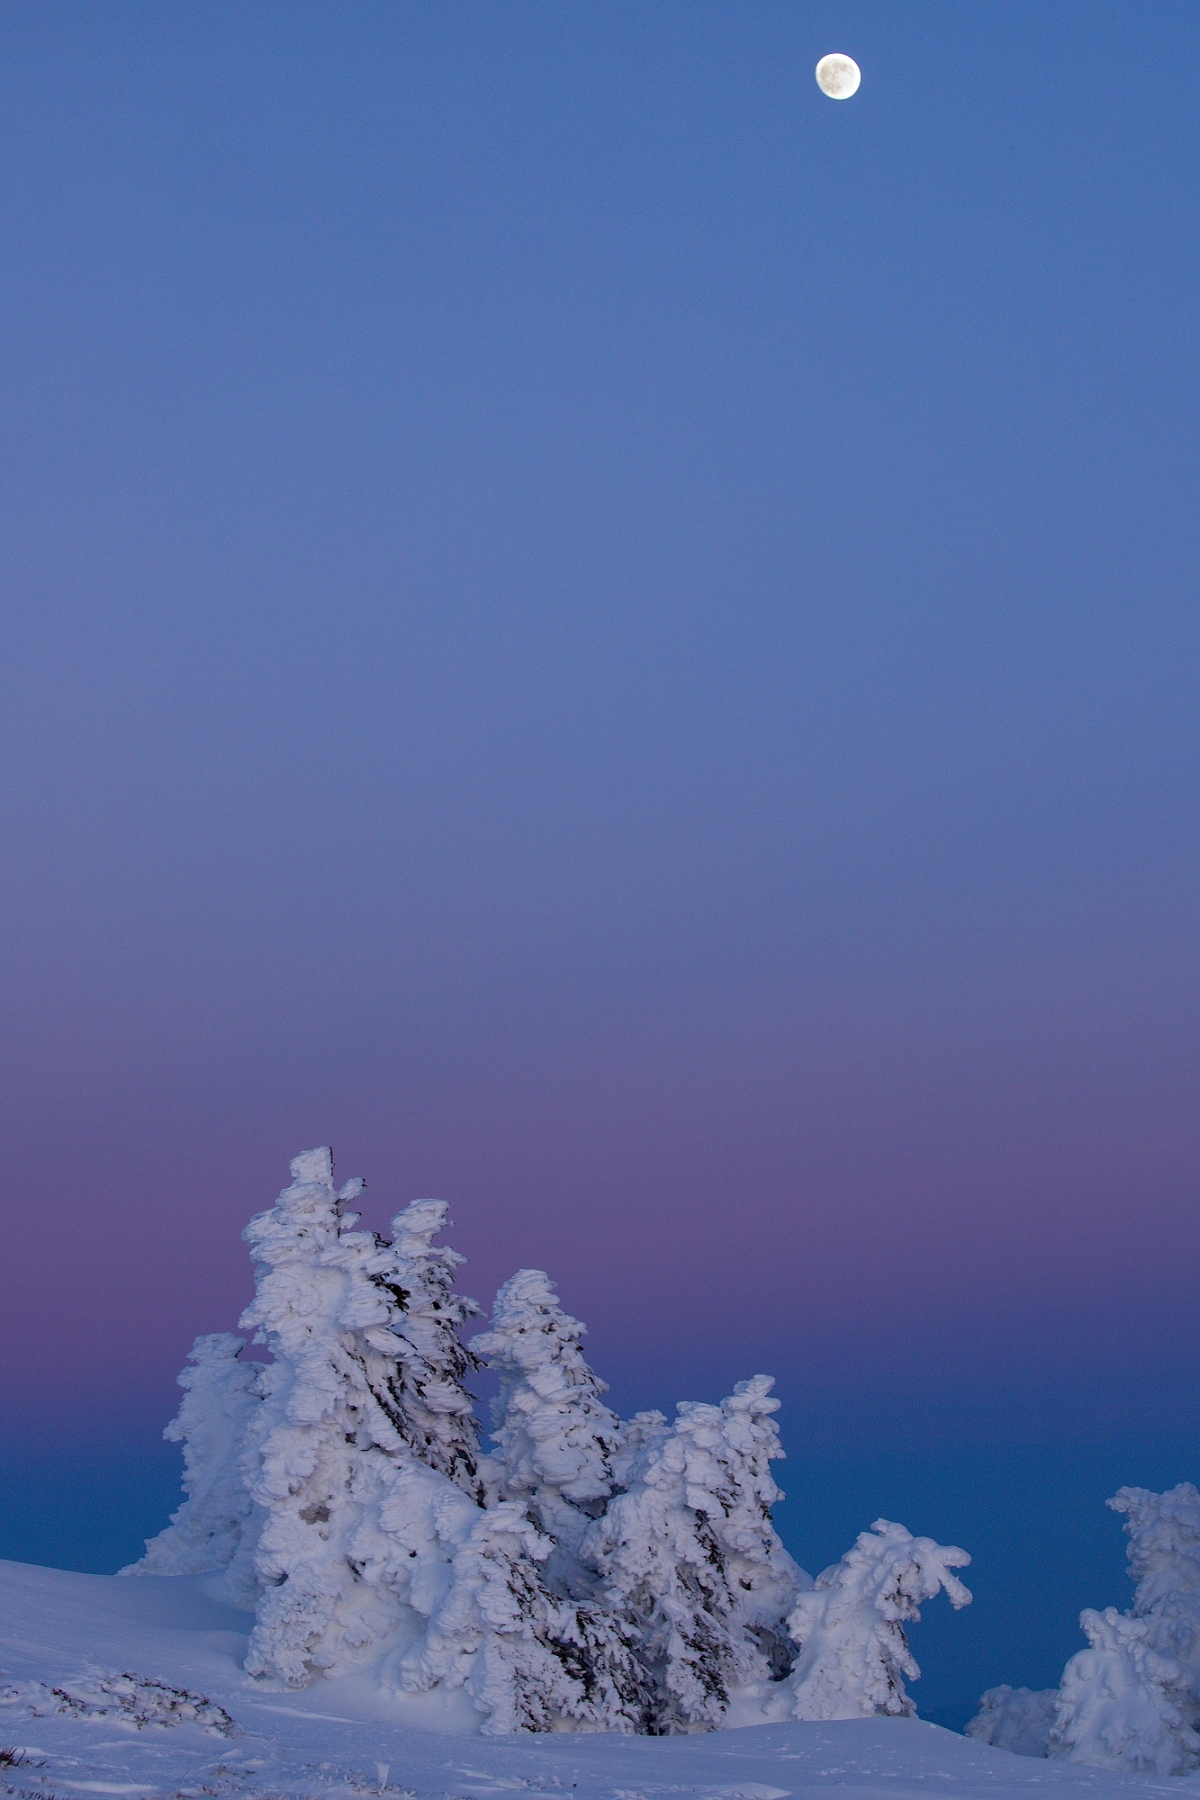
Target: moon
x: 838, y: 75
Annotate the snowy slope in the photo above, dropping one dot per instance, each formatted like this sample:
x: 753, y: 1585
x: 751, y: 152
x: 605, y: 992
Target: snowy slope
x: 343, y: 1737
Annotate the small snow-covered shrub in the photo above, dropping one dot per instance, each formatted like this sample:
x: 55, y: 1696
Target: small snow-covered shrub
x: 1016, y: 1719
x: 854, y: 1655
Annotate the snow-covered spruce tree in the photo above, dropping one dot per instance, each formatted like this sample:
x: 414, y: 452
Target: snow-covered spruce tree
x: 1122, y: 1705
x: 1164, y: 1561
x: 219, y: 1395
x: 690, y: 1558
x: 1132, y: 1699
x: 415, y: 1361
x: 853, y: 1654
x: 530, y: 1659
x: 556, y: 1437
x: 356, y: 1328
x: 637, y: 1436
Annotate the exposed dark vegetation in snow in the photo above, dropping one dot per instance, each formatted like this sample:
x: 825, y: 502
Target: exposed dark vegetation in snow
x: 126, y: 1699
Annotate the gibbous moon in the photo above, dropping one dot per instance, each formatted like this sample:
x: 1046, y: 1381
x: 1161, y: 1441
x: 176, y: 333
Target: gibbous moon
x: 838, y: 76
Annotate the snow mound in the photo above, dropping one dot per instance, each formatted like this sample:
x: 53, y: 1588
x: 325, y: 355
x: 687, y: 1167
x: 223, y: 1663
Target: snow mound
x: 1016, y: 1719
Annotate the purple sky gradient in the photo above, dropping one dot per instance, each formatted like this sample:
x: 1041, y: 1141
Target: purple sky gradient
x: 1008, y: 1173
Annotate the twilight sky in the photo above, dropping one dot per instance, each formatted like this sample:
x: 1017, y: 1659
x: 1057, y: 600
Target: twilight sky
x: 619, y: 641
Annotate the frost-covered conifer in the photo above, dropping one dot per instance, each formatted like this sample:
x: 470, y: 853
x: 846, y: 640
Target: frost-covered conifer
x: 1164, y: 1561
x: 690, y: 1557
x: 555, y: 1436
x: 318, y: 1471
x: 219, y: 1394
x: 637, y: 1436
x: 419, y: 1363
x: 1123, y: 1705
x: 853, y: 1654
x: 365, y: 1377
x: 530, y: 1659
x: 342, y: 1489
x: 1132, y: 1700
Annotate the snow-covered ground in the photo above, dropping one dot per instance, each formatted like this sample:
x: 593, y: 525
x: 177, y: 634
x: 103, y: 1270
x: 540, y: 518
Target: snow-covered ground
x: 104, y: 1736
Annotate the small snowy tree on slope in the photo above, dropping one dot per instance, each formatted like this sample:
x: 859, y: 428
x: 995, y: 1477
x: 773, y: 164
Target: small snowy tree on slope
x: 219, y: 1394
x: 854, y: 1655
x: 689, y: 1555
x: 555, y: 1435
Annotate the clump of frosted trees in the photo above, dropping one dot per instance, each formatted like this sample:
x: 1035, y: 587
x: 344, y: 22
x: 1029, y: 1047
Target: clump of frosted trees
x: 1131, y: 1700
x: 586, y: 1573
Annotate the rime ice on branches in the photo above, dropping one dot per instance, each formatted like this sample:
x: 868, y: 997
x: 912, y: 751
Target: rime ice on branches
x: 592, y: 1575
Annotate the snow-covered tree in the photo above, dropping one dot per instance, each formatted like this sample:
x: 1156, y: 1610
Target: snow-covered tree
x: 556, y: 1437
x: 1164, y: 1561
x: 1122, y: 1705
x: 1015, y: 1719
x: 417, y: 1363
x: 853, y: 1654
x: 219, y: 1394
x: 366, y: 1376
x: 688, y: 1554
x: 319, y: 1470
x: 530, y: 1659
x: 637, y: 1436
x: 1132, y: 1699
x: 593, y: 1577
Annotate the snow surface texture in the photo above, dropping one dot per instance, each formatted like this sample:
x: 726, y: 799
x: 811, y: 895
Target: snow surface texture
x: 1131, y: 1700
x: 114, y: 1645
x: 589, y: 1576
